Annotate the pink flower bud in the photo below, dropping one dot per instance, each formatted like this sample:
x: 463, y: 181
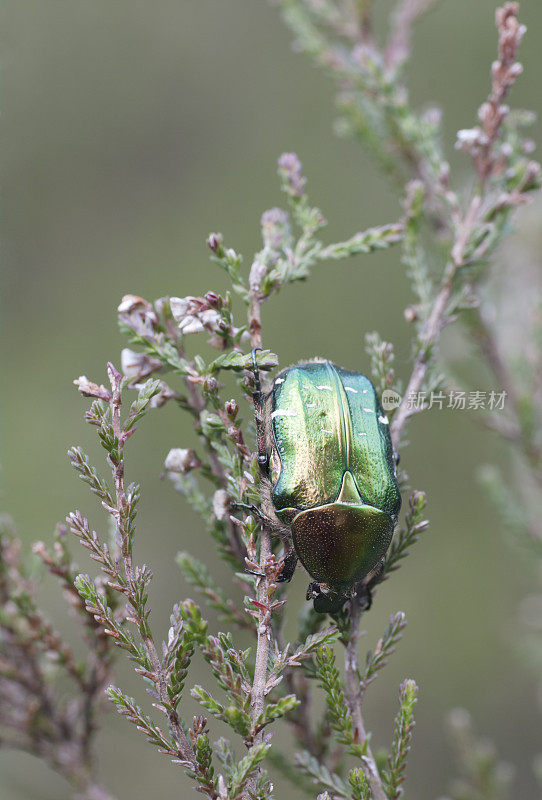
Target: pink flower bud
x: 231, y: 409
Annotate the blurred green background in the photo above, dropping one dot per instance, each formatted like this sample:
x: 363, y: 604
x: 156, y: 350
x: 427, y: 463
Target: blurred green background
x: 131, y: 130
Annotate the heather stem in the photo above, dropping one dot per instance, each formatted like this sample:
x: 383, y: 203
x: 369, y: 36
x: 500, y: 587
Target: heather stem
x: 263, y: 586
x: 428, y: 338
x: 436, y: 320
x: 93, y: 791
x: 354, y: 699
x: 185, y: 747
x: 366, y: 20
x: 264, y: 634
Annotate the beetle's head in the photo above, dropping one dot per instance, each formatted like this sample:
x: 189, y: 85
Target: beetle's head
x: 327, y: 600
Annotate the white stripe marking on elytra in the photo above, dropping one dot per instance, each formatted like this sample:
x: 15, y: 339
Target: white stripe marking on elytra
x: 365, y: 391
x: 363, y: 434
x: 350, y: 389
x: 284, y: 412
x: 279, y: 380
x: 325, y: 387
x: 384, y: 420
x: 369, y: 410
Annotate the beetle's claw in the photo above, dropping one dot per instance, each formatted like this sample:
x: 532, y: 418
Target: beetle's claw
x: 257, y: 572
x: 249, y: 508
x: 364, y: 596
x: 326, y: 600
x: 364, y: 589
x: 289, y: 563
x: 313, y: 590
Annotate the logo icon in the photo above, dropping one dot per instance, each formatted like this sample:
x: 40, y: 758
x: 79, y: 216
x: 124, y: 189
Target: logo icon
x: 390, y: 399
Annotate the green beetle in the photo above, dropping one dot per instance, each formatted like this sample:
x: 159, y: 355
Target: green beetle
x: 330, y: 481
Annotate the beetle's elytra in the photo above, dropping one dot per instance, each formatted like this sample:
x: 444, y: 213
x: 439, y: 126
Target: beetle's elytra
x: 325, y: 446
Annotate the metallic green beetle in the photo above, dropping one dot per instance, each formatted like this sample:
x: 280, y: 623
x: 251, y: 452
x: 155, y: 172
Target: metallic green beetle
x: 325, y: 448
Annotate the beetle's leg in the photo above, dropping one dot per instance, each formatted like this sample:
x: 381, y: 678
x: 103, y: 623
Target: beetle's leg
x: 256, y: 572
x: 252, y: 509
x: 325, y: 602
x: 376, y: 577
x: 257, y: 400
x: 289, y: 563
x: 313, y: 590
x: 364, y: 591
x: 365, y: 596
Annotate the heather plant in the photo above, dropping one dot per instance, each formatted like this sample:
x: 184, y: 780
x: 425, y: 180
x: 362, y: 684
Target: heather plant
x: 200, y: 353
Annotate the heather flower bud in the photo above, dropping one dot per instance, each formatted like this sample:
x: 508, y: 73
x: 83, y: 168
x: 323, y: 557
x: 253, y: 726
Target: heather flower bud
x: 290, y: 172
x: 275, y: 227
x: 258, y: 272
x: 231, y: 408
x: 39, y: 549
x: 210, y: 385
x: 214, y: 241
x: 214, y: 300
x: 234, y: 434
x: 131, y: 301
x: 160, y: 304
x: 532, y: 175
x: 222, y: 788
x: 468, y: 138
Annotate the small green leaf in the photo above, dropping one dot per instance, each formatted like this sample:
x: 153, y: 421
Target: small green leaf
x: 359, y: 785
x: 243, y: 361
x: 246, y: 766
x: 274, y: 711
x: 402, y: 737
x: 315, y: 769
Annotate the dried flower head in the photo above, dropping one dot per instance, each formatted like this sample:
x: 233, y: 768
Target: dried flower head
x: 136, y: 366
x: 181, y: 461
x: 221, y: 504
x: 88, y: 388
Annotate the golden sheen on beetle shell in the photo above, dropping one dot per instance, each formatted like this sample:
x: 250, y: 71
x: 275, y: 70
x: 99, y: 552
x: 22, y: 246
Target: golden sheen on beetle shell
x: 325, y: 445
